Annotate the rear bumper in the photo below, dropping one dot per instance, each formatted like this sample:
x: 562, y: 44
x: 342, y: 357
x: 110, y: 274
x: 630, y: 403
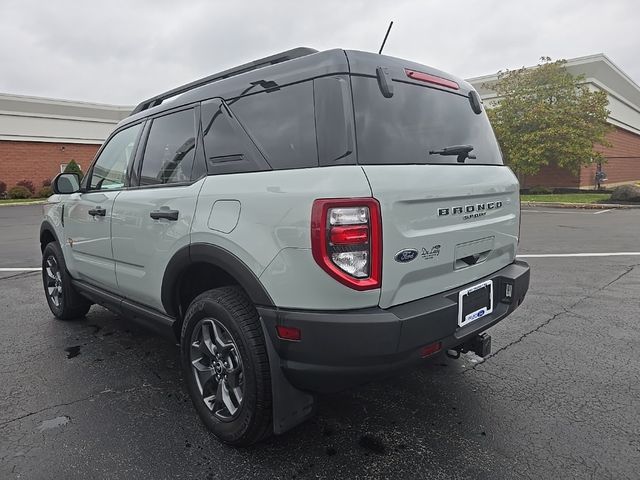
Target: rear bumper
x: 340, y: 349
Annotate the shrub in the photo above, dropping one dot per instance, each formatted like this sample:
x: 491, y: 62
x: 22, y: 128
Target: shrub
x: 19, y: 191
x: 626, y: 193
x: 46, y: 182
x: 3, y: 187
x: 73, y: 167
x: 28, y: 184
x: 45, y: 192
x: 540, y: 190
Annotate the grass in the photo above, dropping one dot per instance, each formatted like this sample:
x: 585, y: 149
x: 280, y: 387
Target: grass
x: 21, y: 200
x: 568, y: 198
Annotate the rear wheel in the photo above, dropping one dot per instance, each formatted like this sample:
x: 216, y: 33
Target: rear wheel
x: 64, y: 301
x: 226, y: 366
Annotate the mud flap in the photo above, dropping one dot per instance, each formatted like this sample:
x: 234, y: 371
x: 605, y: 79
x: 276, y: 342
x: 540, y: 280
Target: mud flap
x: 291, y: 406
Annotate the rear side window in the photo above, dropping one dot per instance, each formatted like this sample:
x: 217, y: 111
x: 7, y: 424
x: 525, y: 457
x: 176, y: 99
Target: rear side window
x: 170, y: 149
x: 226, y: 145
x: 403, y: 129
x: 282, y: 125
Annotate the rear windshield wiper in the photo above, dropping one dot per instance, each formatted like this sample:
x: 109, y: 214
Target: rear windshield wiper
x: 462, y: 151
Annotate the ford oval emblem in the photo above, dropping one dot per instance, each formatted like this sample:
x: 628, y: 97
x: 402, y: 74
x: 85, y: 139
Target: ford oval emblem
x: 406, y: 255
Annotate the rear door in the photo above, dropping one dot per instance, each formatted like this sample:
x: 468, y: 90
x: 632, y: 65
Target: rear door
x: 447, y: 220
x: 152, y: 219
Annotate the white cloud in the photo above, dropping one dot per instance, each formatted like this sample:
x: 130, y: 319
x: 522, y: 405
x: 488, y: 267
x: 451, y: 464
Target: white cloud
x: 122, y: 51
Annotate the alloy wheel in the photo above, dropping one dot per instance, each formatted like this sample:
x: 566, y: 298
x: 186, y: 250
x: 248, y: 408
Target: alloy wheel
x: 53, y: 281
x: 217, y: 368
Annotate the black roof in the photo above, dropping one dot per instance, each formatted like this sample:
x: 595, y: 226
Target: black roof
x: 281, y: 69
x: 246, y: 67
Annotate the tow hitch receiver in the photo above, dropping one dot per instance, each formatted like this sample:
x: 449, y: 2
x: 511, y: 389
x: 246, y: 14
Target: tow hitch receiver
x: 480, y: 345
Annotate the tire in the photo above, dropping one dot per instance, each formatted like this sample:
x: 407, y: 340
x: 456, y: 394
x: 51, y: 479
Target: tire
x: 64, y: 301
x: 226, y: 367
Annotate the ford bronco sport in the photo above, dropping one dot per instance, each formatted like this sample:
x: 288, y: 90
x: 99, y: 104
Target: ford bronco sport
x: 302, y: 223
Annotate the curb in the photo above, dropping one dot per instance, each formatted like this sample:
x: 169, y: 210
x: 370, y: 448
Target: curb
x: 585, y: 206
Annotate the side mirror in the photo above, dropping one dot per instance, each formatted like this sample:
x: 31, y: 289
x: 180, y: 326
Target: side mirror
x: 66, y: 183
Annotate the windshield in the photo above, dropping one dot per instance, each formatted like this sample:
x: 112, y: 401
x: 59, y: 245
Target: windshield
x: 417, y: 120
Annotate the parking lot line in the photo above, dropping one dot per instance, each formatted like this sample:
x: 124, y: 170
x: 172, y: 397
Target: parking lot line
x: 557, y: 255
x: 26, y: 269
x: 602, y: 211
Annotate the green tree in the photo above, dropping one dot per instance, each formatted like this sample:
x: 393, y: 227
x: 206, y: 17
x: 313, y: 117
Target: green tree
x: 73, y: 167
x: 545, y: 115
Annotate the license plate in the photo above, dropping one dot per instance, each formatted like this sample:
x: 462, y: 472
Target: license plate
x: 475, y: 302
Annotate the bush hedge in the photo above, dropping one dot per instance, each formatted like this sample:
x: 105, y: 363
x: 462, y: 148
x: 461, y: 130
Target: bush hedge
x: 19, y: 192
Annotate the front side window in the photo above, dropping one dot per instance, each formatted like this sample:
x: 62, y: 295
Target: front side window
x: 170, y: 150
x: 110, y: 170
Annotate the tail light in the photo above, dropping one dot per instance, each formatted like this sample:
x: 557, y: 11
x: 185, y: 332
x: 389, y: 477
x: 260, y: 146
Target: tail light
x: 346, y: 240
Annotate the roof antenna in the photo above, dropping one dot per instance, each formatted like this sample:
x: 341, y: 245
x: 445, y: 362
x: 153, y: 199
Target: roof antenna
x: 385, y: 38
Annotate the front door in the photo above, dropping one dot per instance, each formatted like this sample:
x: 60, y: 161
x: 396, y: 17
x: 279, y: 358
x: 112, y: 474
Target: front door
x: 87, y: 215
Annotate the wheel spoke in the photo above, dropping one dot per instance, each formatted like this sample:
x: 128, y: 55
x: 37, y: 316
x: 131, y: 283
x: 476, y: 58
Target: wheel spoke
x: 226, y: 397
x: 221, y: 343
x: 207, y: 343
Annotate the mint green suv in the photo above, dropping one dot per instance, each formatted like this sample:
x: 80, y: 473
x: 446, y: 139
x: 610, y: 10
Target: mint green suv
x: 301, y: 224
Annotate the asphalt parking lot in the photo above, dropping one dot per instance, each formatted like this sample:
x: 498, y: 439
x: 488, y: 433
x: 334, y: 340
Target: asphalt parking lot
x: 559, y: 397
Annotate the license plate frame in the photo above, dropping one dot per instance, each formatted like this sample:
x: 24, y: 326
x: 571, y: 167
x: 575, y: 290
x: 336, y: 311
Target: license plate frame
x: 465, y: 318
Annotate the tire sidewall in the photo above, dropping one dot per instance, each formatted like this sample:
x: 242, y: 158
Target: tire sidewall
x: 230, y: 431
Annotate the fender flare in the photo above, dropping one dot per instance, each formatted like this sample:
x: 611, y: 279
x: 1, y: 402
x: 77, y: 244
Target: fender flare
x: 46, y: 226
x: 217, y: 257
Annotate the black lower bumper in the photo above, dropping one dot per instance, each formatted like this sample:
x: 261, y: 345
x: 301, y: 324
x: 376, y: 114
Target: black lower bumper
x: 340, y: 349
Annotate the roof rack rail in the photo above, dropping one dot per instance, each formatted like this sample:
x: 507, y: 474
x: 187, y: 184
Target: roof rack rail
x: 246, y: 67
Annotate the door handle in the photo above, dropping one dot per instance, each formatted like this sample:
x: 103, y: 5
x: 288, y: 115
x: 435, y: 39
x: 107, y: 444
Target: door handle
x: 166, y: 214
x: 98, y: 211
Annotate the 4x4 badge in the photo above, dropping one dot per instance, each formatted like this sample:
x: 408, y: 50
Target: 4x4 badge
x: 406, y: 255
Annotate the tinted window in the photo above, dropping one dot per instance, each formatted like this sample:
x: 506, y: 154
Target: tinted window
x: 281, y: 123
x: 169, y: 154
x: 403, y: 129
x: 226, y: 145
x: 110, y: 169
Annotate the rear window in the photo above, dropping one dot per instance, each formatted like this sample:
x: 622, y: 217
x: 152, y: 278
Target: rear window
x: 403, y: 129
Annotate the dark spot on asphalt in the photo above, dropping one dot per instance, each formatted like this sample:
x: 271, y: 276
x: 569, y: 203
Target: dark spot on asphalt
x: 327, y: 431
x: 96, y: 328
x: 484, y: 434
x: 187, y: 445
x: 402, y: 446
x: 72, y: 352
x: 107, y: 334
x: 98, y: 360
x: 331, y: 451
x: 372, y: 443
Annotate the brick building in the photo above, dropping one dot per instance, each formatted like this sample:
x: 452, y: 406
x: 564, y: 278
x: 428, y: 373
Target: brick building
x: 39, y: 136
x: 623, y: 156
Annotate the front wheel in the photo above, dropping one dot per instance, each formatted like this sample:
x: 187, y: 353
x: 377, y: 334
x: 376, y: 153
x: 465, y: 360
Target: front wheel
x: 64, y: 301
x: 226, y: 367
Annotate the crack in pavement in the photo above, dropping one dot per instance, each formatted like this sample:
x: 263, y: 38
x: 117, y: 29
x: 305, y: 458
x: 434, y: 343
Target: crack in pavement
x: 565, y: 310
x: 72, y: 402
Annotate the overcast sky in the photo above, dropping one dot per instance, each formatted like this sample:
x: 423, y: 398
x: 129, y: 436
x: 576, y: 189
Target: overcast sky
x: 121, y: 52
